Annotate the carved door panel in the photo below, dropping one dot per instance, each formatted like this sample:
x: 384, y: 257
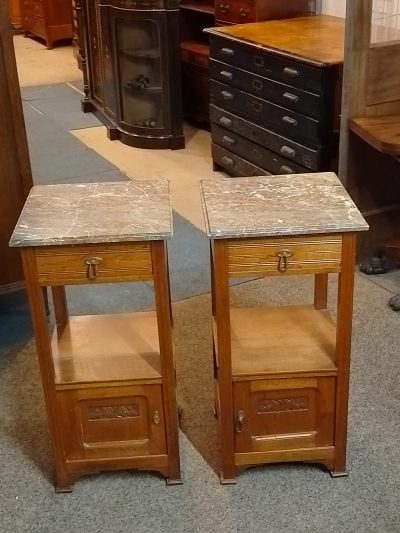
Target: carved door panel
x: 110, y: 97
x: 284, y: 413
x: 112, y: 422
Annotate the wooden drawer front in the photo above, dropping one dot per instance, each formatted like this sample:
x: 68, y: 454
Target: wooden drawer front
x: 235, y: 11
x: 32, y: 7
x: 279, y: 93
x: 284, y: 414
x: 289, y: 71
x: 314, y: 159
x: 112, y: 422
x: 33, y: 24
x: 290, y: 255
x: 255, y: 153
x: 59, y: 265
x: 268, y: 114
x: 235, y: 165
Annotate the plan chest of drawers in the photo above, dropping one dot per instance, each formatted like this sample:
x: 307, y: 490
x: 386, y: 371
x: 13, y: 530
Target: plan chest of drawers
x: 275, y: 90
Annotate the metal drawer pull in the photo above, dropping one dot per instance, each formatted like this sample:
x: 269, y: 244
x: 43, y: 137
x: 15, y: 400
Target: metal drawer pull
x: 292, y: 72
x: 92, y: 263
x: 283, y: 256
x: 288, y: 152
x: 228, y: 140
x: 227, y: 52
x: 224, y: 8
x: 244, y: 12
x: 240, y: 421
x: 225, y: 122
x: 227, y: 95
x: 286, y: 170
x: 258, y: 61
x: 227, y: 161
x: 289, y: 120
x: 226, y: 74
x: 291, y: 97
x: 156, y: 417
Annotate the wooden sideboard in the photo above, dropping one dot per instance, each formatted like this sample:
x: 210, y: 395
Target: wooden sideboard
x: 51, y: 20
x: 15, y: 178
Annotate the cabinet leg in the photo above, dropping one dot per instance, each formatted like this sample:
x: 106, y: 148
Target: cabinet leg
x: 321, y: 291
x: 335, y: 474
x: 112, y: 133
x: 64, y: 484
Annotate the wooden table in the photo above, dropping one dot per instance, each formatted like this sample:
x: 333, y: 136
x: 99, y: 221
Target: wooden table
x: 108, y: 380
x: 282, y: 372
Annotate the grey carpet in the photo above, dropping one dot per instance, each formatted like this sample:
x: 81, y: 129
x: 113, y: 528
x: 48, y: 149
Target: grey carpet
x: 274, y: 498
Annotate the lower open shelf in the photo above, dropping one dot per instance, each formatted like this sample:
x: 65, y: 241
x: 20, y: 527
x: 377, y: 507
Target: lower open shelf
x: 282, y: 340
x: 95, y: 349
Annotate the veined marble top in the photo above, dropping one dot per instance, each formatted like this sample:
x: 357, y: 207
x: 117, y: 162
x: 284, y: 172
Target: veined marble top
x: 268, y: 206
x: 94, y: 213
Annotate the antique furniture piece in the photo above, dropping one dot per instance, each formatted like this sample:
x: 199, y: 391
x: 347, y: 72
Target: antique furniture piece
x: 275, y: 95
x: 15, y: 170
x: 199, y: 14
x: 51, y: 20
x: 131, y: 69
x: 282, y: 372
x: 370, y: 132
x: 108, y: 380
x: 14, y: 11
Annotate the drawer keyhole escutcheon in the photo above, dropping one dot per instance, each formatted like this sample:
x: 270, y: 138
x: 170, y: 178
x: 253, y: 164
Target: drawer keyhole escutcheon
x: 239, y: 421
x: 92, y: 264
x: 283, y: 256
x: 156, y: 417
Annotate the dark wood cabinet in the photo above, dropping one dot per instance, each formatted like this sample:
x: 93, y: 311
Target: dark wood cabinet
x: 51, y: 20
x: 199, y: 14
x: 129, y: 52
x: 275, y: 99
x: 15, y: 177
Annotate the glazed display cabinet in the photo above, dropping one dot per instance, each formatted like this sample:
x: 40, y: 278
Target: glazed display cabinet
x: 129, y: 52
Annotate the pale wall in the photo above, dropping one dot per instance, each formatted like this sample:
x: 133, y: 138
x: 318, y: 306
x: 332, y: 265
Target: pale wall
x: 334, y: 7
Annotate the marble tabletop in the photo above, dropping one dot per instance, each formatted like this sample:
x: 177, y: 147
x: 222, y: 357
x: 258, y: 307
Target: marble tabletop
x: 268, y: 206
x: 94, y: 213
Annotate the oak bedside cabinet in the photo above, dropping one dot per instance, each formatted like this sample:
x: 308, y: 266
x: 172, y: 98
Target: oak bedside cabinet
x: 282, y: 373
x: 108, y: 380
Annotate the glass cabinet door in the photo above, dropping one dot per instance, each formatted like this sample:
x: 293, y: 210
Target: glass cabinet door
x: 138, y: 51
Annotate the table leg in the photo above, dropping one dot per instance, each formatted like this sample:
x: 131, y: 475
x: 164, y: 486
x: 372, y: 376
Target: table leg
x: 320, y: 291
x: 60, y: 305
x: 40, y: 328
x: 220, y: 284
x: 343, y: 348
x: 163, y: 309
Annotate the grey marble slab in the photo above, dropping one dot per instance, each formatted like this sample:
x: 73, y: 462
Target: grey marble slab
x: 269, y: 206
x: 94, y: 213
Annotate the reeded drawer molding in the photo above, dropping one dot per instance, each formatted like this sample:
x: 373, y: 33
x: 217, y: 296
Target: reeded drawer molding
x: 277, y: 256
x: 59, y: 265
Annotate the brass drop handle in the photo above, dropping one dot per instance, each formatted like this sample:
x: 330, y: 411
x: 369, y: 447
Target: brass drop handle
x: 92, y: 264
x: 283, y: 256
x: 239, y: 421
x: 156, y: 417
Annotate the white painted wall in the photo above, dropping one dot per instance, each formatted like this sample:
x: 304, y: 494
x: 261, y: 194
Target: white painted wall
x: 334, y: 7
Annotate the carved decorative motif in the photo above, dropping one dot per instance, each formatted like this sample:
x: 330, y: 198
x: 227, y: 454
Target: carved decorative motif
x: 281, y: 405
x: 104, y: 412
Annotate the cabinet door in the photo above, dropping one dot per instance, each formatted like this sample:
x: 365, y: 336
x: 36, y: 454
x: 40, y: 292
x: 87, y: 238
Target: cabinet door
x: 284, y: 414
x: 141, y: 62
x: 112, y: 422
